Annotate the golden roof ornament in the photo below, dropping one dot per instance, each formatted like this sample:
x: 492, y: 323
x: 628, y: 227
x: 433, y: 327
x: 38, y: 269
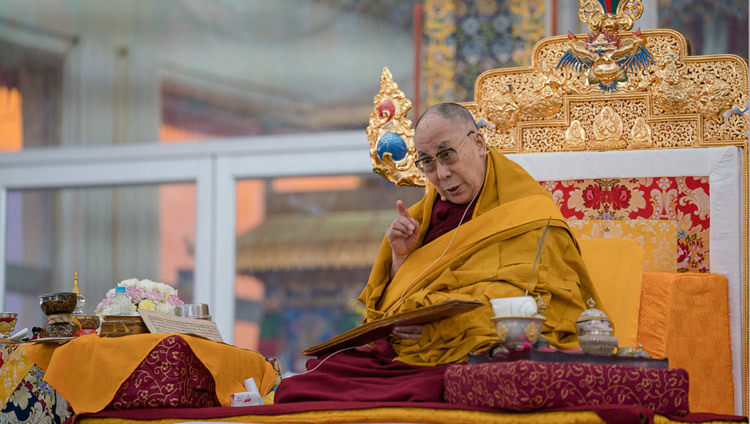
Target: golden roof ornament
x: 391, y: 135
x: 610, y: 15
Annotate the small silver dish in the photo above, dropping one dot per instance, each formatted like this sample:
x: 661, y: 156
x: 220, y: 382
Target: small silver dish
x: 193, y: 310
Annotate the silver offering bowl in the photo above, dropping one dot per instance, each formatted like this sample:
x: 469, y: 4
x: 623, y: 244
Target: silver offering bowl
x: 513, y: 332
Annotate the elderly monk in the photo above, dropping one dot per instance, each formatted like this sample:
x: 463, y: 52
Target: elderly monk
x: 473, y: 236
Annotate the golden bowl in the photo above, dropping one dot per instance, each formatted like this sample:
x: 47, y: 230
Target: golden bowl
x: 58, y: 303
x: 7, y: 322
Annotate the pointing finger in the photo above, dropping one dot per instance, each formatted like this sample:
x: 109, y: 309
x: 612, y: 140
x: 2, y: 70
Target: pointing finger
x: 402, y: 209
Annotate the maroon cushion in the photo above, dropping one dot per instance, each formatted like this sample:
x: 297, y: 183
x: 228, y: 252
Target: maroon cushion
x: 528, y: 386
x: 171, y: 376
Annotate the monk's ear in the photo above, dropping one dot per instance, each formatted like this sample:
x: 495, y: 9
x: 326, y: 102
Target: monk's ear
x: 481, y: 142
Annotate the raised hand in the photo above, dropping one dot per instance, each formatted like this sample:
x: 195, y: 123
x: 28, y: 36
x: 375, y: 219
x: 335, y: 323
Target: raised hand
x: 402, y: 235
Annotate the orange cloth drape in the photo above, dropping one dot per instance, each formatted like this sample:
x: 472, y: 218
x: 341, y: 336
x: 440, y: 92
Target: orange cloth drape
x: 679, y: 312
x: 616, y: 268
x: 89, y: 370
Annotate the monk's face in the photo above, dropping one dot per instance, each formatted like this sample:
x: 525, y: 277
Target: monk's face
x: 461, y: 180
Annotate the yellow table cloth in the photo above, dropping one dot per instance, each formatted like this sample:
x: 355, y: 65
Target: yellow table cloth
x: 89, y: 370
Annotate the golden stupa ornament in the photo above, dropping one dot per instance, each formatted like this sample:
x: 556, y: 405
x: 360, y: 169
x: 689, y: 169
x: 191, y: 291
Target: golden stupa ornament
x: 606, y: 55
x: 391, y: 135
x: 81, y: 300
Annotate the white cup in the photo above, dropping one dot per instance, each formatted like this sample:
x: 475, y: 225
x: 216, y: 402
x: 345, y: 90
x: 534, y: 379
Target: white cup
x: 520, y: 306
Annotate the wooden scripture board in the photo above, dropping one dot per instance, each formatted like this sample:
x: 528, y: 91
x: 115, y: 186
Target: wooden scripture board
x: 375, y: 330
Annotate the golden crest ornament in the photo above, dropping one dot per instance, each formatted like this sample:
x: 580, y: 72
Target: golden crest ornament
x: 391, y: 135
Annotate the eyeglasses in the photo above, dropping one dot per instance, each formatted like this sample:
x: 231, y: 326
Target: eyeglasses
x: 446, y: 157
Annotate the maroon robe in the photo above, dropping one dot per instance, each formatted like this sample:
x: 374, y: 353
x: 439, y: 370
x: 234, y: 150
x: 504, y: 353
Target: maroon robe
x: 370, y: 373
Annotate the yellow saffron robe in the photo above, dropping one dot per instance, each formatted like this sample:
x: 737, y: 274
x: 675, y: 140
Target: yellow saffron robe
x: 488, y: 257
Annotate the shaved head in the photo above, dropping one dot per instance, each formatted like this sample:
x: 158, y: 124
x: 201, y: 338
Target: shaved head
x: 453, y: 112
x: 448, y: 130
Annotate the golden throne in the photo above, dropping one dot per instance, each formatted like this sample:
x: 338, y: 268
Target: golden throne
x: 641, y: 145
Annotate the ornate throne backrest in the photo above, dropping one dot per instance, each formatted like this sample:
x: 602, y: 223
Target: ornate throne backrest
x: 656, y: 110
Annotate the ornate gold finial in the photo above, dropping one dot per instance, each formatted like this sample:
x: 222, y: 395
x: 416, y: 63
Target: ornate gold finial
x: 608, y: 130
x: 591, y: 303
x: 75, y: 283
x: 640, y: 135
x: 391, y: 135
x: 575, y: 136
x: 610, y: 15
x: 541, y: 305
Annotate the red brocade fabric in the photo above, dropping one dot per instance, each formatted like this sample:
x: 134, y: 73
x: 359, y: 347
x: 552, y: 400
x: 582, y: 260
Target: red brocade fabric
x: 529, y: 386
x: 364, y: 374
x: 171, y: 376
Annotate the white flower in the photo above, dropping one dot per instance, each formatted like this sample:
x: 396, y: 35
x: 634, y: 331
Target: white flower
x: 129, y: 282
x: 165, y: 308
x: 139, y: 290
x: 147, y: 284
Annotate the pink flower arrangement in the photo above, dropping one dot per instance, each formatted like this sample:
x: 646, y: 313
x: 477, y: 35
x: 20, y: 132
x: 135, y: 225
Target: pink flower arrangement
x: 144, y: 294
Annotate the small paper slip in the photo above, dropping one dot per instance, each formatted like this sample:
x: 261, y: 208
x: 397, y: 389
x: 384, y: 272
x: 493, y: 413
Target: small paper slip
x: 157, y: 322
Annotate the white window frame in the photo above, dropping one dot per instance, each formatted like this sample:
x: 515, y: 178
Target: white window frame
x: 214, y: 166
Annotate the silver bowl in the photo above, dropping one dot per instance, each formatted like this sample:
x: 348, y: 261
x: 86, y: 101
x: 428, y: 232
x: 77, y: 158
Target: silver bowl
x: 597, y: 344
x: 513, y: 332
x: 193, y: 310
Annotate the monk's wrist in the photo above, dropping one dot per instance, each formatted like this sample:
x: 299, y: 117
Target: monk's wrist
x: 396, y: 262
